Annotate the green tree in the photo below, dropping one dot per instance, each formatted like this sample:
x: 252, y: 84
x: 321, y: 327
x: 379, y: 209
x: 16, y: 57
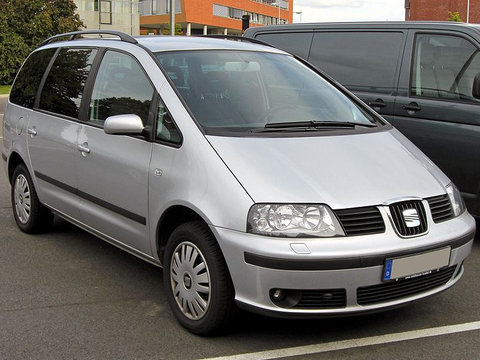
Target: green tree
x: 454, y: 16
x: 178, y: 29
x: 24, y: 24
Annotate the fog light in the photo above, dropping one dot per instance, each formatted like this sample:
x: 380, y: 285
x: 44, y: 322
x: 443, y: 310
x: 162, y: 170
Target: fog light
x: 277, y: 295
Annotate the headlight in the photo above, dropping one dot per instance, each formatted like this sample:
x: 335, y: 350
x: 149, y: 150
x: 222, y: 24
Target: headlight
x: 458, y: 205
x: 293, y: 220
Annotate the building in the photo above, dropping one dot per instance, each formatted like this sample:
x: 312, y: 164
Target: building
x: 121, y: 15
x: 435, y: 10
x: 212, y: 16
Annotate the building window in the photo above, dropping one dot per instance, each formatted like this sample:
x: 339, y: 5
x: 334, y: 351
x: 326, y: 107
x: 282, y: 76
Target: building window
x: 106, y: 12
x: 158, y: 7
x: 233, y: 13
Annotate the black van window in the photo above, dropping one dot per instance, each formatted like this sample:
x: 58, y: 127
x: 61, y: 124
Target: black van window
x: 121, y: 88
x: 297, y: 43
x: 361, y: 60
x: 63, y: 88
x: 444, y: 67
x: 26, y: 85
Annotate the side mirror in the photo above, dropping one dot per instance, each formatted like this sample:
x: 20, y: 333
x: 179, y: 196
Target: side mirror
x: 123, y: 124
x: 476, y: 87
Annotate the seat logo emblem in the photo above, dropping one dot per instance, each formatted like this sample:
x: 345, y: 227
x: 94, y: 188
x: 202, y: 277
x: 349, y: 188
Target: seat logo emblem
x: 411, y: 217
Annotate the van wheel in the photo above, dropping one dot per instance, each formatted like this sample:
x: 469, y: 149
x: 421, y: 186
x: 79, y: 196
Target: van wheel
x: 31, y: 216
x: 198, y: 285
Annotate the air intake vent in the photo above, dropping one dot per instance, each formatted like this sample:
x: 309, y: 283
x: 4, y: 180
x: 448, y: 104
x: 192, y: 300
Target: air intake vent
x: 409, y: 218
x: 403, y: 288
x: 322, y: 299
x: 361, y: 221
x: 441, y: 208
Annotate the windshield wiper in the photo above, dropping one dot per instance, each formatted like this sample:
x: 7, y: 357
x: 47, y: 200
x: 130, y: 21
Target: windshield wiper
x: 316, y: 124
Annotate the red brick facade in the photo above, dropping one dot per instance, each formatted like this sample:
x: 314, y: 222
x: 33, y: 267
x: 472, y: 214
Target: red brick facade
x: 437, y: 10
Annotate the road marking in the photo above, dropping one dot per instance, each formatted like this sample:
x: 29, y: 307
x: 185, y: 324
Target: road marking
x: 353, y: 343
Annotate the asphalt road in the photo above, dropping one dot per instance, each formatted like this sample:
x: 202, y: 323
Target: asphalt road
x: 69, y: 295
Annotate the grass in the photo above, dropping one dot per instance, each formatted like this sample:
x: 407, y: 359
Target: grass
x: 5, y: 89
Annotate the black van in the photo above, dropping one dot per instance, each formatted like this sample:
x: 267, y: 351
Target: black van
x: 423, y: 77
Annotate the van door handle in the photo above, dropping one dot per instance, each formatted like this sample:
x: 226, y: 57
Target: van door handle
x: 377, y: 104
x: 32, y: 131
x: 83, y: 148
x: 412, y: 107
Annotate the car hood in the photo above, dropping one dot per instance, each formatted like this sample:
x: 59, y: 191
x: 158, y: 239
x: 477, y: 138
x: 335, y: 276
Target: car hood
x: 340, y: 170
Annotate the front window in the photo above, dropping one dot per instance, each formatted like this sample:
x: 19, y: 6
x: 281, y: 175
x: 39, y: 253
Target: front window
x: 246, y: 91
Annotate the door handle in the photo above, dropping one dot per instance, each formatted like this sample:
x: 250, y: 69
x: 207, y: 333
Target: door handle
x: 377, y: 104
x: 32, y: 131
x: 412, y: 108
x: 83, y: 148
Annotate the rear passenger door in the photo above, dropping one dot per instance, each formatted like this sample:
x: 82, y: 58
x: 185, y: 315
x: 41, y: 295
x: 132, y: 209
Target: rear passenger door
x: 435, y: 107
x: 365, y: 62
x: 53, y: 128
x: 113, y: 169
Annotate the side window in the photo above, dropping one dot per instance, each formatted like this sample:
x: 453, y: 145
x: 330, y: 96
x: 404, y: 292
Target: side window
x: 121, y: 87
x: 444, y: 66
x: 63, y: 88
x: 297, y: 43
x: 361, y: 61
x: 25, y: 88
x: 166, y: 129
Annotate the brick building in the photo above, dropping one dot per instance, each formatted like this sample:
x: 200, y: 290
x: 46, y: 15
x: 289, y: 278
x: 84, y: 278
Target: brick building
x: 436, y: 10
x: 213, y: 16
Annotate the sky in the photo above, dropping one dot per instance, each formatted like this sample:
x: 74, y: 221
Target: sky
x: 348, y: 10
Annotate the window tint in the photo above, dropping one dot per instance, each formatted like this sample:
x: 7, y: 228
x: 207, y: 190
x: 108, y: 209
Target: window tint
x: 361, y: 61
x: 121, y: 87
x: 297, y: 43
x: 444, y: 67
x: 165, y: 127
x: 63, y: 89
x: 25, y: 88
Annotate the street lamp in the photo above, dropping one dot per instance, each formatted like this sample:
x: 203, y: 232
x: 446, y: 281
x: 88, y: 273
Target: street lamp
x: 299, y: 13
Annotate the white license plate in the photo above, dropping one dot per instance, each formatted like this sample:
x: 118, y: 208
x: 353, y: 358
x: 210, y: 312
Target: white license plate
x: 421, y: 264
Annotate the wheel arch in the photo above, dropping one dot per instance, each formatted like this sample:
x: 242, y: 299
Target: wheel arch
x: 14, y: 160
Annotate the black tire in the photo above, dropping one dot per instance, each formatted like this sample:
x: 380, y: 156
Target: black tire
x: 220, y: 308
x: 30, y: 215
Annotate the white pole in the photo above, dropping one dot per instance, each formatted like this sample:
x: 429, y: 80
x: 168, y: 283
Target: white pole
x: 172, y: 17
x: 468, y: 11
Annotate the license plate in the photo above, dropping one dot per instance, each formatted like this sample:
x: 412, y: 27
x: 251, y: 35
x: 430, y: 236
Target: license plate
x: 421, y: 264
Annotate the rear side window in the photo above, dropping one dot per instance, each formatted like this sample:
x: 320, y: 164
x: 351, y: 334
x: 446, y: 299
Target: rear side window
x: 63, y: 88
x: 361, y: 61
x: 25, y: 88
x: 121, y: 88
x: 444, y: 67
x: 297, y: 43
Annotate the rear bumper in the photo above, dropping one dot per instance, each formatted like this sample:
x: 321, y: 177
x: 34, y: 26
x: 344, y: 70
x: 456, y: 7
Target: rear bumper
x: 351, y: 277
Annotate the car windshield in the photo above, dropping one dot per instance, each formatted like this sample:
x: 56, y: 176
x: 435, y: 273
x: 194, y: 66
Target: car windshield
x: 247, y: 91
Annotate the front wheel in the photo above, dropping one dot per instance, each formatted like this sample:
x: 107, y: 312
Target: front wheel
x: 196, y: 279
x: 31, y: 216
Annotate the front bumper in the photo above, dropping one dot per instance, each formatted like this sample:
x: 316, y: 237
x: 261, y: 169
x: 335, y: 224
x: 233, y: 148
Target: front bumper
x: 332, y: 267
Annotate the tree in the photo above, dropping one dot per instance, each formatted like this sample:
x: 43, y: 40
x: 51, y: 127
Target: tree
x: 24, y: 24
x: 454, y: 16
x: 166, y: 29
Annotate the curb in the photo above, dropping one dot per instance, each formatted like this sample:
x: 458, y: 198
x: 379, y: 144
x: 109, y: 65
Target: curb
x: 4, y: 96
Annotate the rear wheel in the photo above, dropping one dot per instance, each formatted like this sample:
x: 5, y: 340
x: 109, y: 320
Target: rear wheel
x: 196, y: 279
x: 31, y: 216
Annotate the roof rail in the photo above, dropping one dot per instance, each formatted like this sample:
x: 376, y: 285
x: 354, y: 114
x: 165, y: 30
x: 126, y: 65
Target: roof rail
x: 237, y: 38
x: 75, y: 34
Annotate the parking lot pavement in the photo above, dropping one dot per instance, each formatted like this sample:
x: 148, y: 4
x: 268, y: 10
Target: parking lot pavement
x: 67, y: 294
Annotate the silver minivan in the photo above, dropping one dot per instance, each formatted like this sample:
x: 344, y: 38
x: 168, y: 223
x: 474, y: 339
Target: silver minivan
x: 250, y: 177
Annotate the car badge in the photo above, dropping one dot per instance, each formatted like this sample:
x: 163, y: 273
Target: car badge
x: 411, y: 217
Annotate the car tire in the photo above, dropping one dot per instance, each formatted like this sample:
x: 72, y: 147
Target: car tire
x: 198, y: 285
x: 30, y: 215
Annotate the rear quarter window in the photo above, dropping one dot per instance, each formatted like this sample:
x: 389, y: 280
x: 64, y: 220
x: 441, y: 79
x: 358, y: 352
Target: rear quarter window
x: 26, y: 84
x: 297, y: 43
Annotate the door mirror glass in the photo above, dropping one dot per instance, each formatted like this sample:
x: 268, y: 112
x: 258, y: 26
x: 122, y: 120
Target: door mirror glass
x: 123, y: 124
x: 476, y: 86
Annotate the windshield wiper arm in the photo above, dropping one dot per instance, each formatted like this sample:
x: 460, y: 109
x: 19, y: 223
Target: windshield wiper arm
x: 316, y: 124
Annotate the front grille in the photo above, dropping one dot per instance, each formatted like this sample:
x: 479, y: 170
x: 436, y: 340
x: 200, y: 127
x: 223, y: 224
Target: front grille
x: 440, y: 207
x: 403, y: 288
x: 322, y: 299
x: 361, y: 221
x: 409, y: 224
